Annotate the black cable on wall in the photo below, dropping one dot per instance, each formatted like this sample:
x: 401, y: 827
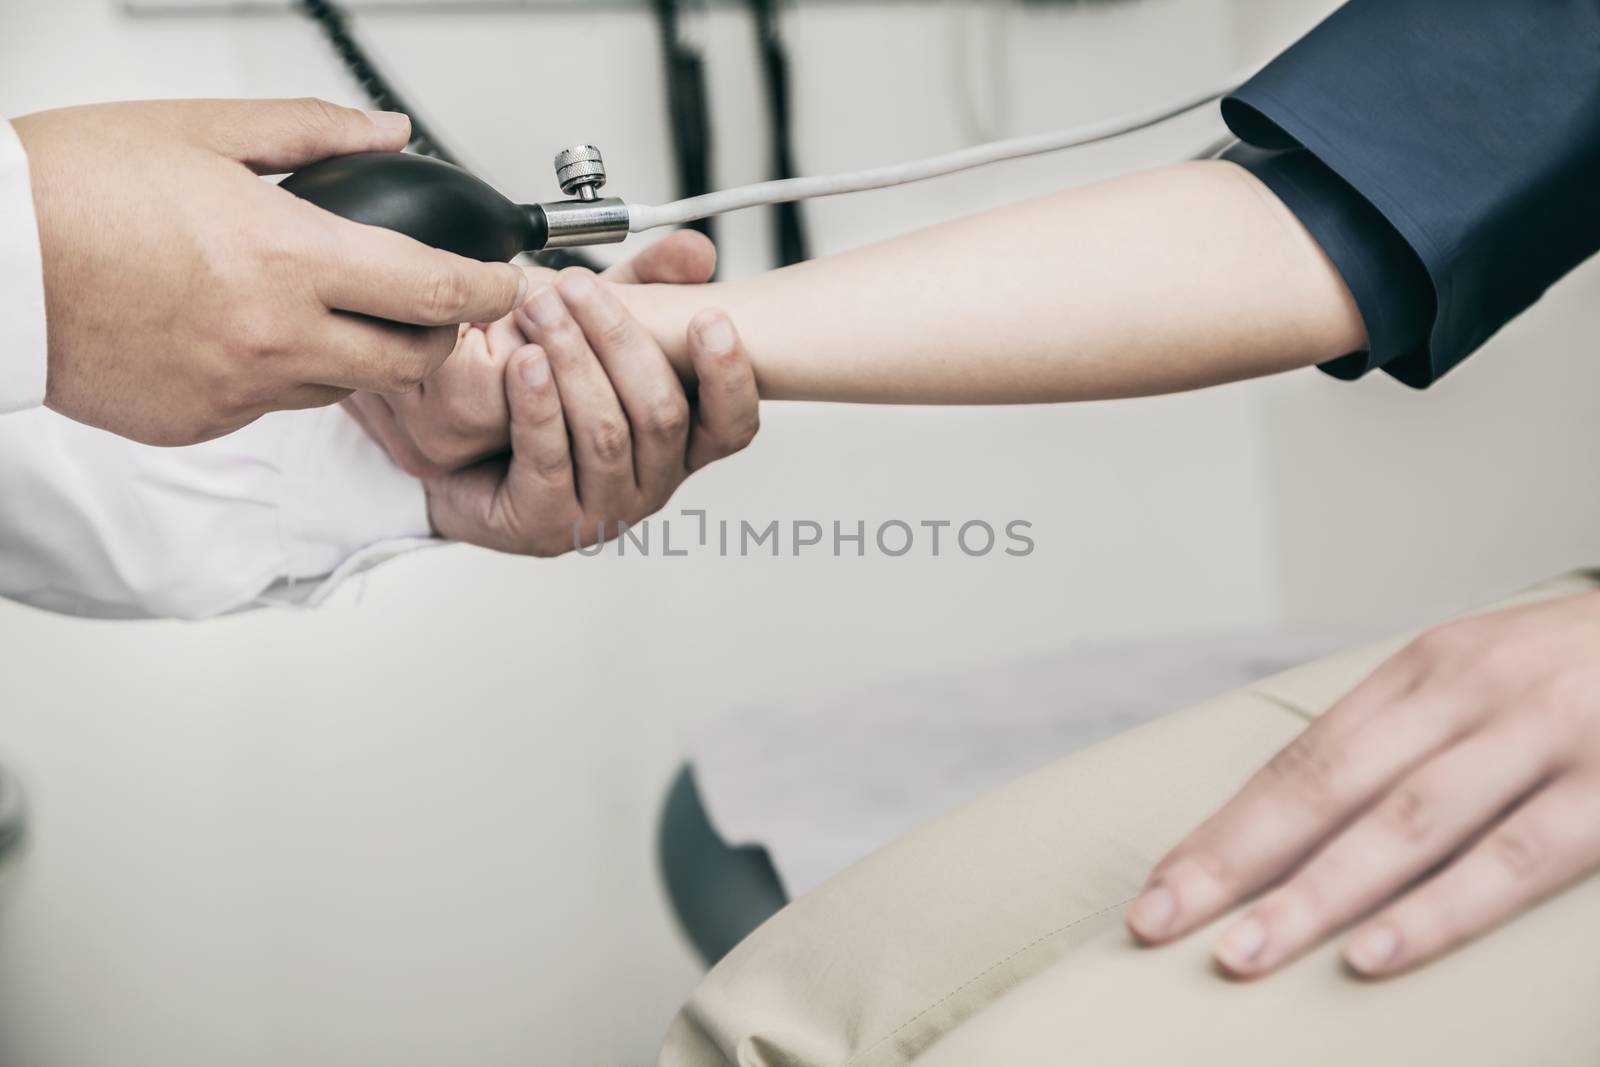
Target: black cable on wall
x: 788, y: 225
x: 330, y: 18
x: 381, y: 93
x: 688, y: 108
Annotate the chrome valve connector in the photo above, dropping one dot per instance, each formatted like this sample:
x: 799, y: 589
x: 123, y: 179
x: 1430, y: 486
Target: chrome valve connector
x: 580, y: 171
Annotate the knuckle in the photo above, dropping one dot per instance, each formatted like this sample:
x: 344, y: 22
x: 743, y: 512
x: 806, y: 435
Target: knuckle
x: 552, y: 465
x: 444, y: 298
x: 565, y: 336
x: 545, y: 415
x: 313, y: 112
x: 610, y: 440
x: 259, y: 340
x: 233, y: 393
x: 255, y: 252
x: 1307, y: 767
x: 669, y: 416
x: 308, y: 119
x: 1411, y: 812
x: 1431, y: 712
x: 1518, y: 851
x: 742, y: 432
x: 616, y: 332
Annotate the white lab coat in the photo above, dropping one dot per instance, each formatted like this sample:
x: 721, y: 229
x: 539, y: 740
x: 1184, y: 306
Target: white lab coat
x: 93, y: 524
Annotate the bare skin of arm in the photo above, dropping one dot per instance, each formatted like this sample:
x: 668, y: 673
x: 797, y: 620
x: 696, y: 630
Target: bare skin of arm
x: 1169, y: 280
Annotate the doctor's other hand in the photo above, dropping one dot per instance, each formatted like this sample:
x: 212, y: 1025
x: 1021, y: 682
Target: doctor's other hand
x: 1456, y: 787
x: 185, y: 296
x: 602, y: 430
x: 459, y: 414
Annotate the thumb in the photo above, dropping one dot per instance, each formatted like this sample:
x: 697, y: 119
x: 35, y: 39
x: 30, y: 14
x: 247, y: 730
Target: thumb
x: 276, y: 136
x: 683, y: 257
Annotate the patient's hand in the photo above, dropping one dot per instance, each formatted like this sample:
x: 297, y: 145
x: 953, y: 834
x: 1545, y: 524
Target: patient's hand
x: 1456, y: 787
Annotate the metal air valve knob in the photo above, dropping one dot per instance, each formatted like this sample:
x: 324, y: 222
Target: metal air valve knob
x: 586, y: 219
x: 580, y: 171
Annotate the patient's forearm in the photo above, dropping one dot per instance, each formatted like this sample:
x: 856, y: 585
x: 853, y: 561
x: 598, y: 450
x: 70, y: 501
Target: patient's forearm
x: 1169, y: 280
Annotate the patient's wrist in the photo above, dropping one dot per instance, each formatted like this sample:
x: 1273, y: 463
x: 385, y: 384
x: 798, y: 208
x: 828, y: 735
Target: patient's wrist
x: 665, y: 310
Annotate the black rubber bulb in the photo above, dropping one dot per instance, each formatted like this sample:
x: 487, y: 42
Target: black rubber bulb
x: 426, y: 199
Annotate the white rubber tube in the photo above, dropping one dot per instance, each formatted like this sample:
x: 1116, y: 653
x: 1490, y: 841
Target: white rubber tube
x: 649, y: 216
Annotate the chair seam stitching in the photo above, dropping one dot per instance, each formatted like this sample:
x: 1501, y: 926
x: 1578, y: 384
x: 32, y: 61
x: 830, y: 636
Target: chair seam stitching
x: 981, y: 974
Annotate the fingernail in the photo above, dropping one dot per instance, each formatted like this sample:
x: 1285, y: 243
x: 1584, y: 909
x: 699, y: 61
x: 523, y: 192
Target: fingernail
x: 388, y: 120
x: 1243, y: 943
x: 546, y: 307
x: 535, y: 371
x: 1372, y: 949
x: 1152, y: 913
x: 576, y: 284
x: 717, y: 336
x: 522, y: 289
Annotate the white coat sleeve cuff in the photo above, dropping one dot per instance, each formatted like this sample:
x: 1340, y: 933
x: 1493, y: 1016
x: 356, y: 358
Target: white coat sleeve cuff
x: 278, y: 513
x: 345, y: 508
x: 24, y: 356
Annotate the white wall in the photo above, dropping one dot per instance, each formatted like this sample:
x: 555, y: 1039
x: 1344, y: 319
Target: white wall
x: 414, y: 827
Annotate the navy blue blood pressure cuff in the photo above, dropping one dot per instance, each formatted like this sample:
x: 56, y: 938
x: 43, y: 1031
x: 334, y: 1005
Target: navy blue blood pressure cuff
x: 1444, y: 153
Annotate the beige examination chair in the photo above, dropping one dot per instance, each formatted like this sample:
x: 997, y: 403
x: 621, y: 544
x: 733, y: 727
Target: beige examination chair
x: 993, y: 936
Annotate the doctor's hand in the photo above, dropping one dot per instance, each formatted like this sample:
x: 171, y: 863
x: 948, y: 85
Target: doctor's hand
x: 1456, y: 787
x: 185, y: 296
x: 602, y: 430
